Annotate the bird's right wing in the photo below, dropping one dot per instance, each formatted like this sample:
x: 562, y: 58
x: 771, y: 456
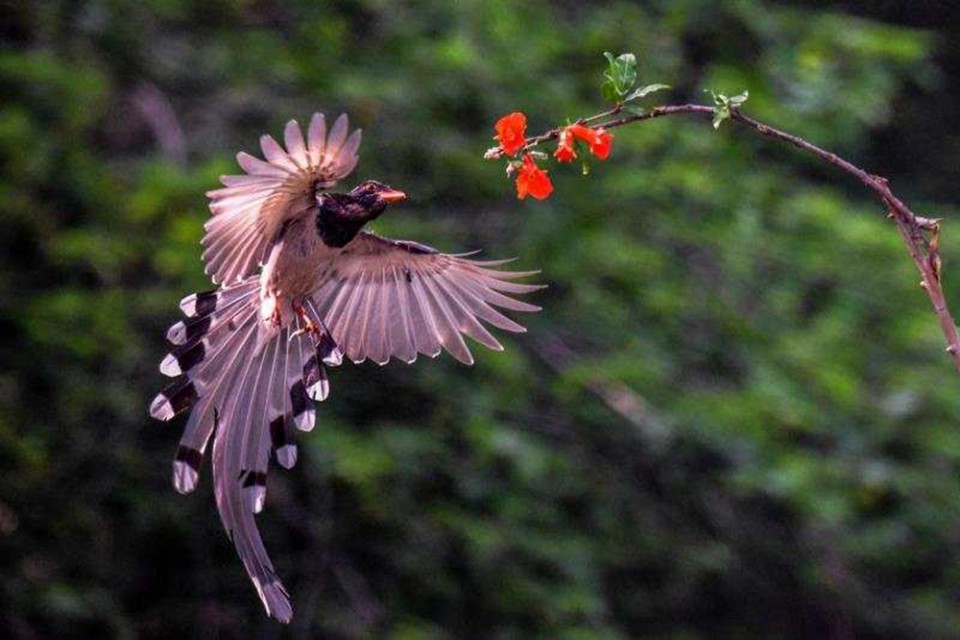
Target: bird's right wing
x: 383, y: 298
x: 250, y: 210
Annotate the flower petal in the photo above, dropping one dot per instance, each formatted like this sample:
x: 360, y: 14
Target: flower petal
x: 511, y: 132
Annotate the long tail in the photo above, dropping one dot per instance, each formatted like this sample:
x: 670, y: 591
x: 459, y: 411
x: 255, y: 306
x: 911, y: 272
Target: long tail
x: 250, y: 392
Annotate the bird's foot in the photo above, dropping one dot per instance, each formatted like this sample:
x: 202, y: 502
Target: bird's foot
x: 275, y: 317
x: 309, y: 328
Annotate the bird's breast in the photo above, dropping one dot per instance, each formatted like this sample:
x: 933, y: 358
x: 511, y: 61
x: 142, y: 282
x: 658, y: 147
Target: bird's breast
x: 296, y: 263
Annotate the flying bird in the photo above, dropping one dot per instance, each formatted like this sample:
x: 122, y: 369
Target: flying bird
x: 300, y: 285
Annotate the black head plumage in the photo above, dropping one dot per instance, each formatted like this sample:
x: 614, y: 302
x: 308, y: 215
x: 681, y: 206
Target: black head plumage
x: 340, y: 216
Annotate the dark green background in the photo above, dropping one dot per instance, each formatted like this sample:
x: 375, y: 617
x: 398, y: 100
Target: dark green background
x: 733, y: 418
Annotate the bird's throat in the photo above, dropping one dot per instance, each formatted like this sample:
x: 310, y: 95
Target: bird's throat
x: 336, y: 231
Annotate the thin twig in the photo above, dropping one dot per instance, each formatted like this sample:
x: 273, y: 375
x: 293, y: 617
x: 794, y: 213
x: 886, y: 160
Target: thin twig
x: 924, y: 253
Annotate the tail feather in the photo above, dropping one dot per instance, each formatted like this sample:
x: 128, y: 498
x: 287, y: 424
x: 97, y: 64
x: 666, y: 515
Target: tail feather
x: 281, y: 439
x: 188, y: 331
x: 233, y: 483
x: 179, y: 396
x: 212, y: 319
x: 202, y: 422
x: 197, y: 340
x: 251, y: 450
x: 200, y: 303
x: 327, y: 349
x: 253, y: 385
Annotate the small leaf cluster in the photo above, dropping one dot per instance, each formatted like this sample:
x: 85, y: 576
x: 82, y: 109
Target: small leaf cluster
x: 725, y: 104
x: 621, y: 77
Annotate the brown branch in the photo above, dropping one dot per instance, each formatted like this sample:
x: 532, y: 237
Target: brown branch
x: 924, y: 253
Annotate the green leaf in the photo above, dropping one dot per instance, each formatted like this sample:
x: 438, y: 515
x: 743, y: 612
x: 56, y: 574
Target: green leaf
x: 738, y: 100
x: 636, y: 110
x: 621, y: 75
x: 627, y: 67
x: 609, y: 91
x: 724, y: 104
x: 720, y: 113
x: 645, y: 91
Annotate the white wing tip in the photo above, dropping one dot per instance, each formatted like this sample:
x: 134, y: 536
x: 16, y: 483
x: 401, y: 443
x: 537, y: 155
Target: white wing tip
x: 287, y: 456
x: 319, y: 390
x: 161, y: 408
x: 169, y: 366
x: 185, y: 477
x: 177, y: 334
x: 255, y: 496
x: 334, y: 358
x: 189, y: 305
x: 306, y: 420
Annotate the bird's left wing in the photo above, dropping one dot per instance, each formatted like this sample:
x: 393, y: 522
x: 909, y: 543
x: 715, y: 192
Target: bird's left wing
x: 382, y: 298
x: 250, y: 210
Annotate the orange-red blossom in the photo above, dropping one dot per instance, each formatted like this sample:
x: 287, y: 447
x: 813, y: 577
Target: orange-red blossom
x: 598, y: 140
x: 511, y: 132
x: 532, y: 180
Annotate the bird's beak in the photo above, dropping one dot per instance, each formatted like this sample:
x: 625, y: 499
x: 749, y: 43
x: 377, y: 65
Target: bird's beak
x: 392, y: 195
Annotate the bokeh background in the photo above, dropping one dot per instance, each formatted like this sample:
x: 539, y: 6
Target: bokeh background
x: 733, y: 418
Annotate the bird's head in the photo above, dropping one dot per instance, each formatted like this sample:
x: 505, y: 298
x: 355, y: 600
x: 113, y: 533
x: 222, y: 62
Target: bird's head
x: 341, y: 215
x: 373, y: 197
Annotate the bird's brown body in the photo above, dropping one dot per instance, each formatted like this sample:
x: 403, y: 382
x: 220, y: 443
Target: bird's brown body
x: 295, y: 265
x: 301, y: 286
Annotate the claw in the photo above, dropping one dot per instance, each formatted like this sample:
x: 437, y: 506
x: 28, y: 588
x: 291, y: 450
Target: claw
x: 308, y: 326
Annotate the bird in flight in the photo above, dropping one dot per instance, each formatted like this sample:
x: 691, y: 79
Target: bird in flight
x: 300, y: 285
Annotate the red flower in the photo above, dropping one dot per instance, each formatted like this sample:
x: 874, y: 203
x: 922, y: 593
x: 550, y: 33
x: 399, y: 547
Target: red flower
x: 598, y: 139
x: 565, y: 151
x: 600, y: 146
x: 532, y: 180
x: 511, y: 132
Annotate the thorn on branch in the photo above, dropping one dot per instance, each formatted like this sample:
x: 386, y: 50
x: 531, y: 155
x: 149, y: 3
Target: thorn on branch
x: 930, y: 224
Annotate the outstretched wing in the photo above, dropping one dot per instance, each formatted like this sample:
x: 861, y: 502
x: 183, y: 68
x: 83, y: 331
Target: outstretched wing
x: 383, y: 298
x: 250, y: 210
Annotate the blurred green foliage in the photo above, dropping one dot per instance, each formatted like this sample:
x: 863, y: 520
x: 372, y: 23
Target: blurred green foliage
x: 733, y: 417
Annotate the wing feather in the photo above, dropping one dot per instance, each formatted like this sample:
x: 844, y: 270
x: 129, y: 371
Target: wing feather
x: 427, y: 333
x: 296, y: 147
x: 466, y: 320
x: 387, y: 315
x: 250, y: 210
x: 447, y: 329
x: 483, y: 310
x: 401, y: 335
x: 275, y: 154
x: 385, y: 298
x: 317, y: 138
x: 338, y: 134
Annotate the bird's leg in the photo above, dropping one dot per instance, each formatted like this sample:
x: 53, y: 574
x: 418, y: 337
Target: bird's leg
x: 275, y: 316
x: 270, y: 310
x: 308, y: 326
